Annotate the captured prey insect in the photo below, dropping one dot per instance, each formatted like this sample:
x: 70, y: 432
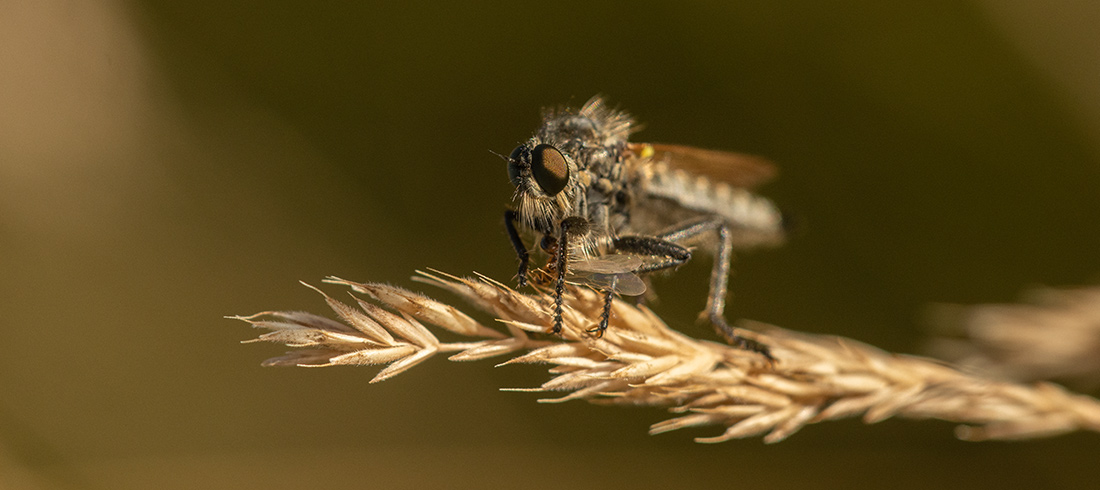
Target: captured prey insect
x: 610, y: 211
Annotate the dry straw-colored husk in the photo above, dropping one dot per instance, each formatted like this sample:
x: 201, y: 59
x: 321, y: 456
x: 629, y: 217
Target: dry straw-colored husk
x: 1052, y: 334
x: 640, y: 361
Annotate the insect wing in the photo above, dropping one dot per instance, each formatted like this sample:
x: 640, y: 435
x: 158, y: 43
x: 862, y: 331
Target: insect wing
x: 625, y: 283
x: 613, y: 271
x: 609, y: 264
x: 736, y: 169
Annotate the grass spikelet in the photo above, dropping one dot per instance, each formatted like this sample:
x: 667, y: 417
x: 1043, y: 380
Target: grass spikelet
x: 640, y: 361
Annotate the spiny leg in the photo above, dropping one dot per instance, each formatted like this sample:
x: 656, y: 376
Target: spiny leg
x: 575, y: 226
x: 510, y: 218
x: 716, y: 302
x: 719, y: 278
x: 605, y: 316
x: 559, y: 286
x: 727, y: 332
x: 670, y: 255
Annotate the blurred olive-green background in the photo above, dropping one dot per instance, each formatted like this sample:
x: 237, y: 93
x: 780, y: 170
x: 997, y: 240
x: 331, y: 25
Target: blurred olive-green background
x: 163, y: 164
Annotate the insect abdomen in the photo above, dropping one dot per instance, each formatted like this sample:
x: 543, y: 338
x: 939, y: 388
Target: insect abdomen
x: 755, y: 220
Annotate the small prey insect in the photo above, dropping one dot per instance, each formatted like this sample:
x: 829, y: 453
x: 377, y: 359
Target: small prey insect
x: 610, y: 211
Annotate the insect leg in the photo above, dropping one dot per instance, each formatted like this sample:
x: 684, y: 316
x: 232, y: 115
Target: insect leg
x: 510, y: 218
x: 719, y: 279
x: 670, y: 255
x: 605, y: 316
x: 716, y: 303
x: 569, y: 227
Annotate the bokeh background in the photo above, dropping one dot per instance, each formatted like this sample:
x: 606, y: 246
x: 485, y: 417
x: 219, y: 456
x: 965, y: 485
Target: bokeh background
x: 164, y: 164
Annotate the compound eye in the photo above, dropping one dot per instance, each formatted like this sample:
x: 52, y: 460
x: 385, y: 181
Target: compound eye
x: 514, y: 164
x: 549, y: 168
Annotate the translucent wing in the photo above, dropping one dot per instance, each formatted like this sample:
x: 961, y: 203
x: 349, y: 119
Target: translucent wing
x: 736, y: 169
x: 612, y: 271
x: 609, y: 264
x: 625, y: 283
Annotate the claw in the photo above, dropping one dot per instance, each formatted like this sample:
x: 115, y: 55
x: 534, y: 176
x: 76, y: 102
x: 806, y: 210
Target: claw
x: 727, y: 332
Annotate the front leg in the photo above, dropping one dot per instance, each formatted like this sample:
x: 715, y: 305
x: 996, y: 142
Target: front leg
x: 570, y: 227
x: 510, y: 218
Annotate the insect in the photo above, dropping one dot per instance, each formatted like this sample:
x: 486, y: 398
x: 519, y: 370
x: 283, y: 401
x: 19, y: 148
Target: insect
x: 610, y: 211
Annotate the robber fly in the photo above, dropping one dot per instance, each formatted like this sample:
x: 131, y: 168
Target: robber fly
x: 610, y: 211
